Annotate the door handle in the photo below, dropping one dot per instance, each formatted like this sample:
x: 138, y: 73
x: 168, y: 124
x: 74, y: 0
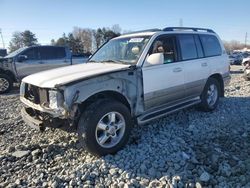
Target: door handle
x: 204, y: 64
x: 178, y: 69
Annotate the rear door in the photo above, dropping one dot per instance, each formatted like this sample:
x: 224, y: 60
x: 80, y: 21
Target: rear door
x: 195, y: 65
x: 54, y: 57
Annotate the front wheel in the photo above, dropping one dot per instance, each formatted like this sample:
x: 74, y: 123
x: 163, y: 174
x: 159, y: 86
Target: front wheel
x: 104, y: 127
x: 210, y: 95
x: 6, y: 83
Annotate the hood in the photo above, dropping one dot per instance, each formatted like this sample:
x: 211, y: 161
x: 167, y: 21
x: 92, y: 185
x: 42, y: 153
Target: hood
x: 64, y: 75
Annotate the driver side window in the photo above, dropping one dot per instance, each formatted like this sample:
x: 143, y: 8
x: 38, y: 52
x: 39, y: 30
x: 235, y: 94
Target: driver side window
x: 32, y: 54
x: 165, y: 45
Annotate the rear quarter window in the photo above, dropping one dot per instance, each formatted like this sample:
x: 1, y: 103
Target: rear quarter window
x: 210, y: 45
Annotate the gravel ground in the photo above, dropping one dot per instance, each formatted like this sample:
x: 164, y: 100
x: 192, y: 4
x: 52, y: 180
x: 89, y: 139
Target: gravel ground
x: 186, y: 149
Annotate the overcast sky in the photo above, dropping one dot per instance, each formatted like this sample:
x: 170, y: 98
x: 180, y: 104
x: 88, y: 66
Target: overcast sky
x: 51, y: 18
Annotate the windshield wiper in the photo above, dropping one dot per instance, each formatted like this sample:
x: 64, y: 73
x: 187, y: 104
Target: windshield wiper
x: 113, y: 61
x: 92, y: 61
x: 109, y: 61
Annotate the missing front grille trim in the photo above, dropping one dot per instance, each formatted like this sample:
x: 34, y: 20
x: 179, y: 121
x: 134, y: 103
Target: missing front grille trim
x: 32, y: 93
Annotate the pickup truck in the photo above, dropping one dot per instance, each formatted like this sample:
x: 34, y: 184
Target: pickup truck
x: 29, y: 60
x: 134, y: 78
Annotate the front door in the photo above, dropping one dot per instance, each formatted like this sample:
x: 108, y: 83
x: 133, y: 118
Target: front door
x: 163, y: 83
x: 31, y: 65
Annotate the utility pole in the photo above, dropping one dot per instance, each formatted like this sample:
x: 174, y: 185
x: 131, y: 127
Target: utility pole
x: 2, y: 37
x: 246, y: 40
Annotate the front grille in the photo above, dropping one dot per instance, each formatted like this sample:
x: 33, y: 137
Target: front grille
x: 32, y: 93
x: 36, y: 95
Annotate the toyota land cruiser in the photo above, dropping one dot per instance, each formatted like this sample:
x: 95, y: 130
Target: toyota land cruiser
x: 133, y: 78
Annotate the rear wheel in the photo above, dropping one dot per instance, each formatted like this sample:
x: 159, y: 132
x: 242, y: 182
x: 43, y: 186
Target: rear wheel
x: 6, y: 83
x: 104, y: 127
x: 210, y: 95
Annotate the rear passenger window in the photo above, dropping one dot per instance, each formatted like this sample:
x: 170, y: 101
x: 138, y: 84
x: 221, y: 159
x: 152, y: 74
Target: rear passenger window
x: 210, y: 45
x: 52, y: 52
x: 188, y: 47
x: 198, y: 46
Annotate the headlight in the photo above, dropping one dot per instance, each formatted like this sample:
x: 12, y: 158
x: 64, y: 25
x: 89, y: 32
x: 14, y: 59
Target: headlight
x: 56, y: 100
x: 22, y: 89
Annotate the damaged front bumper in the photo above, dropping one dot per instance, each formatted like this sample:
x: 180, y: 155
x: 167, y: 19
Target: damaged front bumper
x: 38, y: 107
x: 31, y: 118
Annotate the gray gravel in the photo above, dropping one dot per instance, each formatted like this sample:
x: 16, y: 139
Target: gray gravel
x: 186, y: 149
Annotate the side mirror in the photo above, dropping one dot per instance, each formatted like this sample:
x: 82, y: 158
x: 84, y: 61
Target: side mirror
x: 22, y: 58
x: 155, y: 59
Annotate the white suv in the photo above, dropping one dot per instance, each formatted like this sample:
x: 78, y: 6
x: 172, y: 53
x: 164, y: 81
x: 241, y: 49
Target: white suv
x: 133, y: 78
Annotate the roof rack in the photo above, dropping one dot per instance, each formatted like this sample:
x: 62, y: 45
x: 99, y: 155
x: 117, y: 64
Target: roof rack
x: 188, y: 28
x: 141, y: 31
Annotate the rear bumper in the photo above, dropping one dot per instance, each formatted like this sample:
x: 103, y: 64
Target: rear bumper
x: 31, y: 120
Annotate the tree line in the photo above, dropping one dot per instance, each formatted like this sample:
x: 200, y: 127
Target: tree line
x: 234, y: 45
x: 86, y: 40
x: 80, y: 40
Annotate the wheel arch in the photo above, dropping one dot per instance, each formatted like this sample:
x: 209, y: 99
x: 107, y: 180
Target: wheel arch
x: 219, y: 78
x: 108, y: 94
x: 9, y: 74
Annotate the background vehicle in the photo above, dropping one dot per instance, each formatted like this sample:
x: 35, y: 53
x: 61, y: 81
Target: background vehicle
x: 236, y: 59
x: 3, y: 52
x: 29, y: 60
x: 247, y: 70
x: 245, y: 60
x: 136, y: 77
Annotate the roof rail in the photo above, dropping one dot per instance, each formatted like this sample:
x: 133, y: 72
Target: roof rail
x: 141, y: 31
x: 188, y: 28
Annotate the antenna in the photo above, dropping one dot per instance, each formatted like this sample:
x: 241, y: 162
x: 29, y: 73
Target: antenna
x: 2, y: 37
x: 181, y: 23
x: 246, y: 40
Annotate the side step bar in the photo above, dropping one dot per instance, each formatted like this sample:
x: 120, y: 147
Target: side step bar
x: 165, y: 111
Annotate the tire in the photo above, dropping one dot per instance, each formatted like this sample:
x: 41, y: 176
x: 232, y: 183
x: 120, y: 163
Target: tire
x: 100, y: 140
x: 209, y: 101
x: 6, y: 83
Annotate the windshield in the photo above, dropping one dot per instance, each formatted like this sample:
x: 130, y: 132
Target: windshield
x: 13, y: 54
x: 121, y: 50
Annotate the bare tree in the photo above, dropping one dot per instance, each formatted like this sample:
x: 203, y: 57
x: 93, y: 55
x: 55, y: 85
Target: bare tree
x: 234, y: 45
x: 116, y: 28
x: 85, y: 36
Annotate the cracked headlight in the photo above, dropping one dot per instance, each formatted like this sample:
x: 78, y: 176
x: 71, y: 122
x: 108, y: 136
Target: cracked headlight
x: 56, y: 101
